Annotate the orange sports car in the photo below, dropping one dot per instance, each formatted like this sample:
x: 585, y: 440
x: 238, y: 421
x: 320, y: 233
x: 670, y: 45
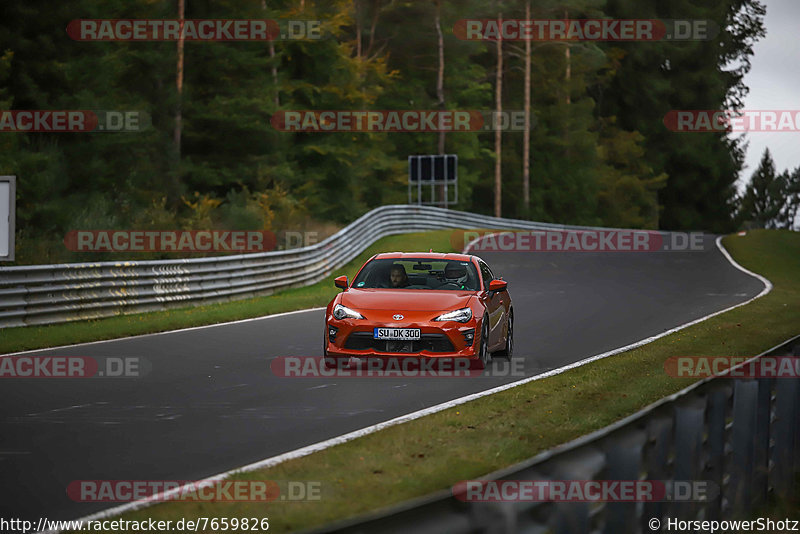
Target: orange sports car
x: 422, y: 305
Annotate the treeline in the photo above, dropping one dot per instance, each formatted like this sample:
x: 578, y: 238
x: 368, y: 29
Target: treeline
x: 599, y: 151
x: 771, y: 199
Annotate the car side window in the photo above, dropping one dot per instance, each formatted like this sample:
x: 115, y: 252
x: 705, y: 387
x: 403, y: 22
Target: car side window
x: 487, y: 275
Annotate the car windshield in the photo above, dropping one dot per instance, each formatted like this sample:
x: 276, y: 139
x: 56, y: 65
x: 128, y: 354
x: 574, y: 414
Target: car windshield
x: 418, y: 273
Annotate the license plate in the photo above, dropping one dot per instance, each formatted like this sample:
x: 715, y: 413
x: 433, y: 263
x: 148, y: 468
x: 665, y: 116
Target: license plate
x: 409, y: 334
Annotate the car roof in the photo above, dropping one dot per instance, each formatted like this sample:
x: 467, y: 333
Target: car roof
x: 423, y: 255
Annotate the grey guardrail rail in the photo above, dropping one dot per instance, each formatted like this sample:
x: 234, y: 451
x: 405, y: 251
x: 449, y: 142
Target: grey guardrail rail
x: 45, y: 294
x: 740, y: 435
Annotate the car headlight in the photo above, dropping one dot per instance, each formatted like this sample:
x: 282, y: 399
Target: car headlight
x: 342, y: 312
x: 462, y: 316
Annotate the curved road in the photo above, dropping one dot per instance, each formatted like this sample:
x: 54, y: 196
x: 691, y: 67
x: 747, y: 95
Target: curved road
x: 210, y: 402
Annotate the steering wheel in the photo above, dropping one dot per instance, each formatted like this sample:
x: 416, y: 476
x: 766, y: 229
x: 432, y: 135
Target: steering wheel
x: 453, y: 284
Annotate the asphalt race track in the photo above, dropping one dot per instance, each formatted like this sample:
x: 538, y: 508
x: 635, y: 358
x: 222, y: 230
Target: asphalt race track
x: 210, y: 402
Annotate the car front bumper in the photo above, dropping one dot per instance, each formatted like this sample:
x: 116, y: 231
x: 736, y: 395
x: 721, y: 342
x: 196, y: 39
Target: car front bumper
x: 355, y: 338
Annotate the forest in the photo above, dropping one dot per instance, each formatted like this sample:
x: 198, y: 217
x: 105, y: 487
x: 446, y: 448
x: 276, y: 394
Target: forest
x: 597, y: 153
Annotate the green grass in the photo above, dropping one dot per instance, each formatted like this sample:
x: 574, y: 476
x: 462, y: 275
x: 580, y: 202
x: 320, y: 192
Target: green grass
x: 319, y: 294
x: 429, y: 454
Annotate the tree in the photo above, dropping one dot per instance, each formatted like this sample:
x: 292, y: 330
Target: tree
x: 526, y: 135
x: 764, y: 198
x: 498, y: 134
x: 656, y: 77
x: 594, y: 137
x: 179, y: 91
x: 792, y: 205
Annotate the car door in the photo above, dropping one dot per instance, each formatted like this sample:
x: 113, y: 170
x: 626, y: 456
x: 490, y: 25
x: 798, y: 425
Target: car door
x: 495, y: 306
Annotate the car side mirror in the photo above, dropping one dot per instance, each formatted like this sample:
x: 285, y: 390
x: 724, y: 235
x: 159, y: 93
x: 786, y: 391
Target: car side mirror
x: 498, y: 285
x: 340, y: 282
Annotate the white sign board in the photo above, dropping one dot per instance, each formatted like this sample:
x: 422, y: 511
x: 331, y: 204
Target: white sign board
x: 7, y: 215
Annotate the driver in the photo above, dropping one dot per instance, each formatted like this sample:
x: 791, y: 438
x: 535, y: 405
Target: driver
x: 398, y: 276
x: 456, y: 274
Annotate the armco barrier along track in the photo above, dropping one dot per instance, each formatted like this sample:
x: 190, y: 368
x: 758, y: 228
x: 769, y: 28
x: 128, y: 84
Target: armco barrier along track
x: 741, y: 435
x: 44, y: 294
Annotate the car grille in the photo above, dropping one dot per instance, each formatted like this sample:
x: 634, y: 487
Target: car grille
x: 429, y: 342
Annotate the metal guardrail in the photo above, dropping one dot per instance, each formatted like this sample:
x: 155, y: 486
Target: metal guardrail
x: 45, y: 294
x: 742, y: 435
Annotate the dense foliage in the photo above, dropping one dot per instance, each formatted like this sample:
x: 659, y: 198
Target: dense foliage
x: 771, y: 199
x: 600, y: 153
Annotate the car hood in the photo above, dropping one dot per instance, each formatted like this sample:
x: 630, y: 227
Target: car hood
x: 405, y: 299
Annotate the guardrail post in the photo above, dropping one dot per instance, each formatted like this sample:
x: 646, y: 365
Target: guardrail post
x: 529, y: 516
x: 689, y: 420
x: 581, y: 464
x: 623, y: 462
x: 784, y: 430
x: 745, y: 395
x: 656, y: 461
x: 493, y: 517
x: 716, y: 414
x: 761, y: 447
x: 571, y: 517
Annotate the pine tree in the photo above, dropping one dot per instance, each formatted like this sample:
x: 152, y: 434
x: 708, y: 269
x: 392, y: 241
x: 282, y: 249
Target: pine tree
x: 764, y: 198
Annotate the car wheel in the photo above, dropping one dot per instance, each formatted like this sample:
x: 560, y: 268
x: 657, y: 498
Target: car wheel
x: 484, y: 356
x: 328, y: 361
x: 508, y: 351
x: 334, y: 362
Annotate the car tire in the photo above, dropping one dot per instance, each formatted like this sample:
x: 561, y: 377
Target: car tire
x: 508, y: 350
x: 335, y: 362
x: 328, y: 361
x: 484, y: 356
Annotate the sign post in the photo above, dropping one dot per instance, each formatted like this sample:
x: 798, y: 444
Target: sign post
x: 8, y: 201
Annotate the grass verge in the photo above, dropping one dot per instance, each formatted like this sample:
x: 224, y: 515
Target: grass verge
x: 429, y: 454
x: 319, y: 294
